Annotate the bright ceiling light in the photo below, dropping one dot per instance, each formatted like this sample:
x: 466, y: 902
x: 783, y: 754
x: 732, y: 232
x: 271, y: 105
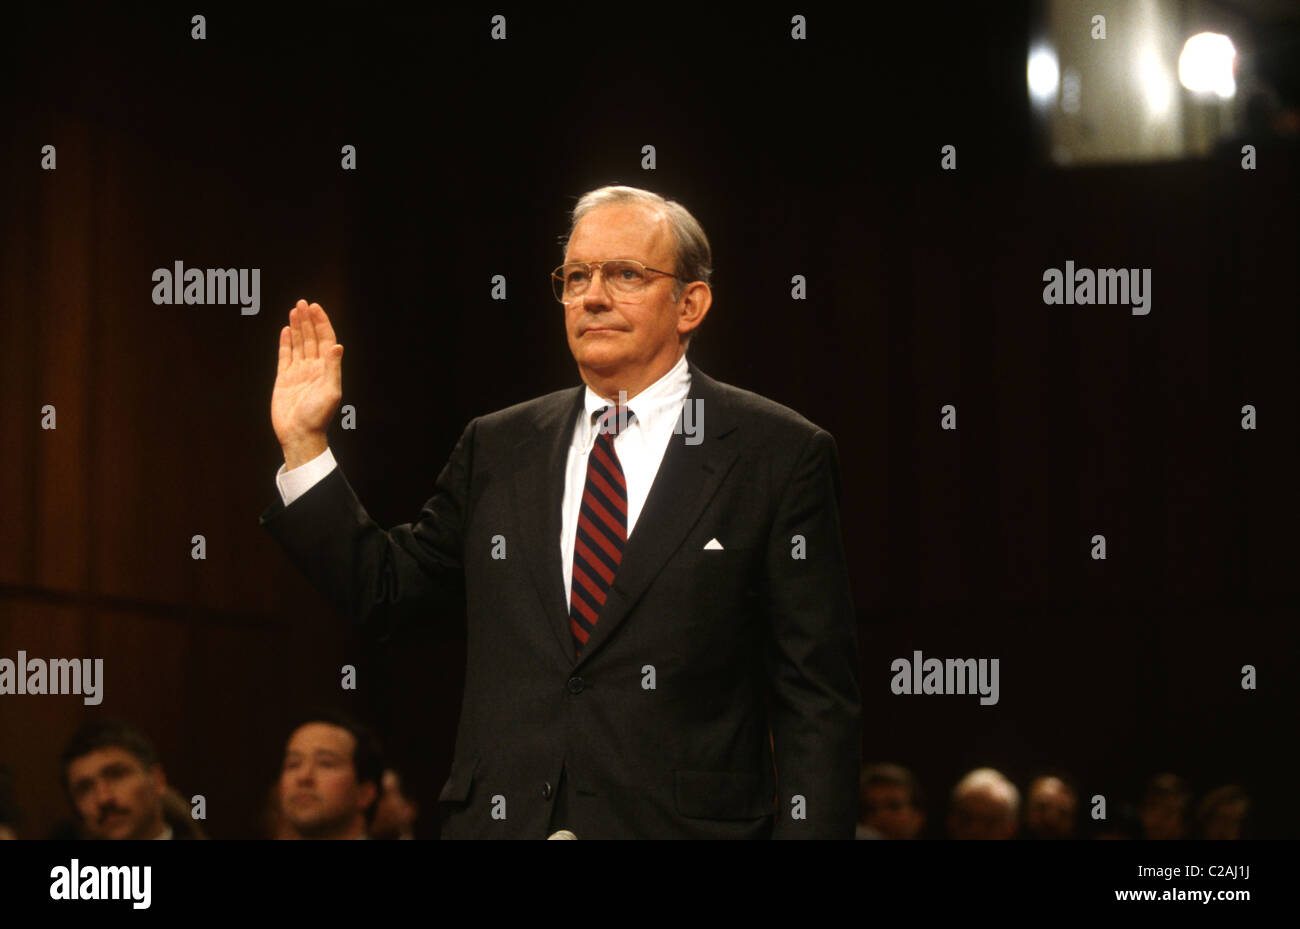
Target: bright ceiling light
x: 1043, y: 74
x: 1205, y: 66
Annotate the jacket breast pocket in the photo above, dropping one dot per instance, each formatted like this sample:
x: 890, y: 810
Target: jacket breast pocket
x: 460, y: 782
x: 722, y: 795
x: 727, y: 575
x: 727, y: 560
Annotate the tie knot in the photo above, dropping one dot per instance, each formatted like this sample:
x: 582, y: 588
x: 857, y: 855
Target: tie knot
x: 613, y: 419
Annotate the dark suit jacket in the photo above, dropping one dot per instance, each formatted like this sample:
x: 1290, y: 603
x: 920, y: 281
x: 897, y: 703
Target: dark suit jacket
x: 663, y: 724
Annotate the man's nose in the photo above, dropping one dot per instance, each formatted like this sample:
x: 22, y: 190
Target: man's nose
x: 596, y: 296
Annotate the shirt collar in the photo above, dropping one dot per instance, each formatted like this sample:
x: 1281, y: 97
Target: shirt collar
x: 660, y: 397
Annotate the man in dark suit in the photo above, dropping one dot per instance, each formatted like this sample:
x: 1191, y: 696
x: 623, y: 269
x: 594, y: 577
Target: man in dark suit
x: 660, y: 630
x: 118, y: 788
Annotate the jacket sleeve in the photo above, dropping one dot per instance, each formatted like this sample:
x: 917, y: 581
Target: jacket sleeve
x: 381, y: 579
x: 814, y: 702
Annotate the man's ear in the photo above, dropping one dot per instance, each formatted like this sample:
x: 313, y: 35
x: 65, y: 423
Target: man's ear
x: 368, y: 794
x: 159, y: 777
x: 694, y: 306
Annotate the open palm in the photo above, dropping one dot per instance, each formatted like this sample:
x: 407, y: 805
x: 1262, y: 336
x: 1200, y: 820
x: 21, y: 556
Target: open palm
x: 309, y: 379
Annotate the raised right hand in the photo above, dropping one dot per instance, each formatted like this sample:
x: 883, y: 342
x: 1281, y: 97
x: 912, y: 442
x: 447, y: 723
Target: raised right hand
x: 308, y: 384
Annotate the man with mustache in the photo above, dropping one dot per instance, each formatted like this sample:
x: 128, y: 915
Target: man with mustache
x: 115, y: 783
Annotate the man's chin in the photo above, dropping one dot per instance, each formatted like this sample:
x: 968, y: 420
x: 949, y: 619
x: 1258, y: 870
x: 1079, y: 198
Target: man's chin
x: 316, y: 827
x: 116, y: 831
x: 601, y: 361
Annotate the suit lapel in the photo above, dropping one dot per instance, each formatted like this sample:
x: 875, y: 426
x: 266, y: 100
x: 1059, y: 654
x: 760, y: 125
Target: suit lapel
x: 540, y: 462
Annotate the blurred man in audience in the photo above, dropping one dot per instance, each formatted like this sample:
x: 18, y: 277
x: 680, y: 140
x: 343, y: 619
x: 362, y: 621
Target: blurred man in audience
x: 330, y: 779
x: 1164, y: 808
x: 1221, y: 814
x: 115, y: 783
x: 891, y: 803
x: 1050, y: 808
x: 984, y: 805
x: 396, y: 813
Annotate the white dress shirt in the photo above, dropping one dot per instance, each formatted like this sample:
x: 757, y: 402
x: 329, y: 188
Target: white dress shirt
x: 640, y: 449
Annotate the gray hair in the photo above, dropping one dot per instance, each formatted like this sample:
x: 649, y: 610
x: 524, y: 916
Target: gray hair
x: 992, y: 782
x: 692, y: 255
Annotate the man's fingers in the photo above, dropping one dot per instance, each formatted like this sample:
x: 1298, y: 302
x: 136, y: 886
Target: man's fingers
x: 308, y: 335
x: 295, y: 331
x: 325, y: 339
x: 286, y: 351
x: 334, y: 364
x: 308, y: 331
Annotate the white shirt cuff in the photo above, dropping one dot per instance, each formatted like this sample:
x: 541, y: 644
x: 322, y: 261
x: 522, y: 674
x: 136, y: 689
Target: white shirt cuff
x: 293, y: 484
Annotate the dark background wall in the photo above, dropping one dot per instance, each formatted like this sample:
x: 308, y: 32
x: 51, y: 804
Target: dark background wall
x: 818, y: 158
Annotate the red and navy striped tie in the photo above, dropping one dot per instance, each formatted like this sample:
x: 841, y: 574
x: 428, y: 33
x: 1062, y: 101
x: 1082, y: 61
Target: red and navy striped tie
x: 602, y: 527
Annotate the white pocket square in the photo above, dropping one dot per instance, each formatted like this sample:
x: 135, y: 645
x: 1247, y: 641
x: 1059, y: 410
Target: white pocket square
x: 713, y: 543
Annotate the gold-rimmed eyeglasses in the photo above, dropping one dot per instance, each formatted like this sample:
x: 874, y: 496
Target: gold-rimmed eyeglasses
x: 621, y: 275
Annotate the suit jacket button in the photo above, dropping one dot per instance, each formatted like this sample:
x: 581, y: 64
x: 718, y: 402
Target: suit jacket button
x: 575, y: 685
x: 546, y: 791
